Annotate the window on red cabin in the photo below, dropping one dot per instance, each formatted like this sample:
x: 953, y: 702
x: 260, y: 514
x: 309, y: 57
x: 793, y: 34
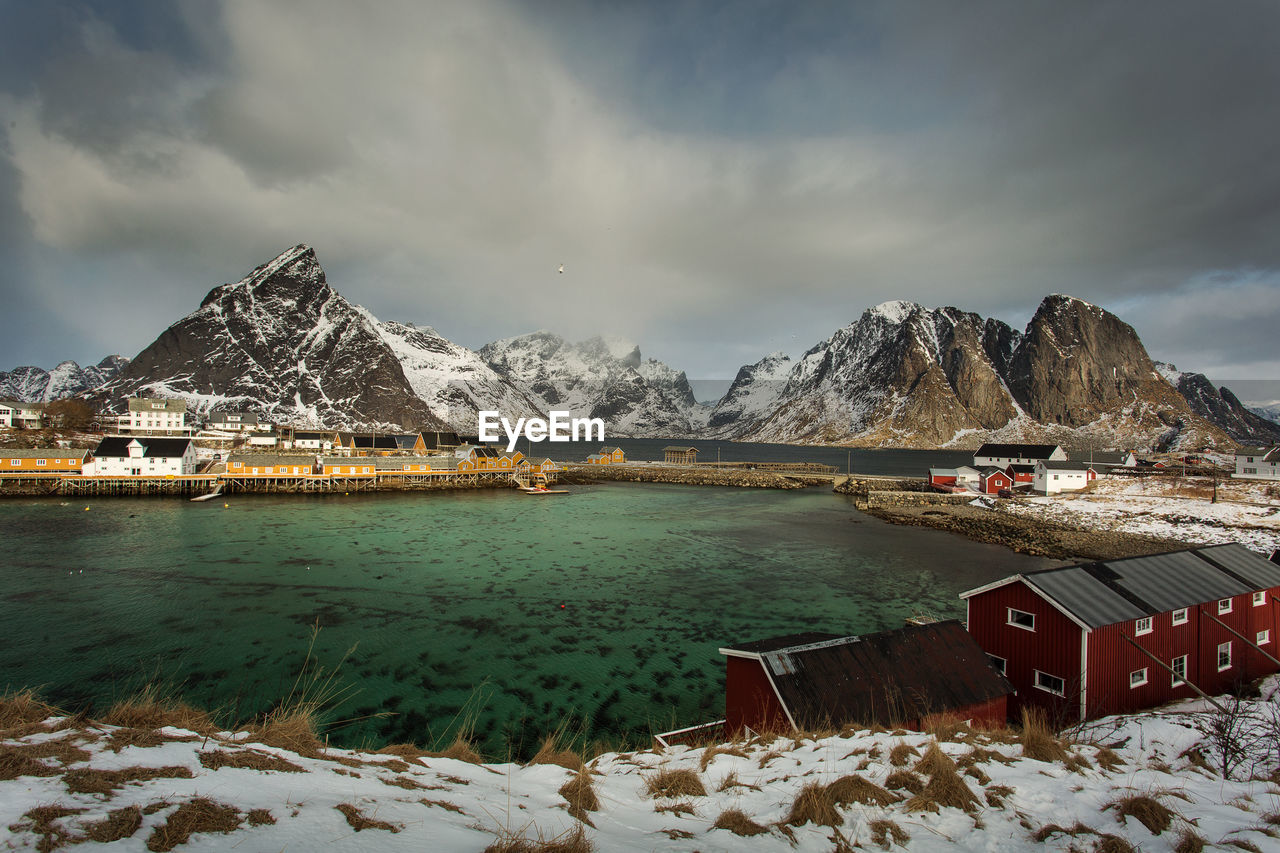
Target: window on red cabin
x: 1051, y: 683
x: 1260, y: 598
x: 1142, y: 626
x: 1179, y: 667
x: 1180, y: 616
x: 1264, y: 637
x: 1224, y: 606
x: 1021, y: 619
x: 1224, y: 656
x: 1137, y: 678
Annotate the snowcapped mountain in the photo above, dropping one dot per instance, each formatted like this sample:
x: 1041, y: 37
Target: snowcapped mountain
x: 1222, y: 407
x: 453, y: 380
x: 282, y: 343
x: 903, y: 375
x: 36, y: 385
x: 599, y: 378
x: 754, y: 393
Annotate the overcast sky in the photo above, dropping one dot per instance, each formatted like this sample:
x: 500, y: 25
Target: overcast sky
x: 720, y: 180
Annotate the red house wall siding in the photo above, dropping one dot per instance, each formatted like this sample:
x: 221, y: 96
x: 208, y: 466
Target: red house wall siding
x: 749, y: 699
x: 1111, y: 660
x: 1053, y: 647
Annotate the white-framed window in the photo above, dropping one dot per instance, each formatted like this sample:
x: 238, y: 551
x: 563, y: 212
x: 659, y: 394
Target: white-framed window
x: 1224, y: 656
x: 1224, y: 606
x: 1001, y: 665
x: 1264, y: 636
x: 1142, y: 626
x: 1179, y: 666
x: 1051, y: 683
x: 1260, y: 598
x: 1021, y: 619
x: 15, y: 461
x: 1180, y: 616
x: 40, y: 462
x: 1138, y: 677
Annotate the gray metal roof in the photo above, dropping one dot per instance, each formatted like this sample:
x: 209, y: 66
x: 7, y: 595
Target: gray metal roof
x: 1254, y: 570
x: 1089, y: 599
x: 42, y: 453
x: 1100, y: 594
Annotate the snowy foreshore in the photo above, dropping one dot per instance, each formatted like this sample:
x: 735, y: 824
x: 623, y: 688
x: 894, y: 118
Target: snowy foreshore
x: 1150, y: 782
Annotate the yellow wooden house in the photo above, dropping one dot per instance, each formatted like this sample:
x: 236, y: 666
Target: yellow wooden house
x: 42, y: 461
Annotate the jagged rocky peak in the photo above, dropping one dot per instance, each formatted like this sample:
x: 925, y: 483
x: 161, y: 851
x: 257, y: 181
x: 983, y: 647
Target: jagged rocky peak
x: 1220, y: 406
x: 282, y: 343
x: 1077, y: 362
x: 32, y: 384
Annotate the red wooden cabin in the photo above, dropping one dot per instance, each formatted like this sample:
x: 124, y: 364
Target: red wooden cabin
x: 993, y: 480
x: 1112, y: 637
x: 812, y: 681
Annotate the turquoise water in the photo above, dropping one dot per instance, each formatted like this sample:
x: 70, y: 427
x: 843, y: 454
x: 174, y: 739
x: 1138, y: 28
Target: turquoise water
x: 605, y: 606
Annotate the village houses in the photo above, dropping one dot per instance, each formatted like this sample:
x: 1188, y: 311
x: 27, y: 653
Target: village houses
x: 1258, y: 463
x: 154, y: 416
x: 142, y: 456
x: 16, y: 414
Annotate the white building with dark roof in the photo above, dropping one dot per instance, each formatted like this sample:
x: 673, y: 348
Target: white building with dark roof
x: 142, y: 456
x: 1258, y: 463
x: 1054, y: 477
x: 155, y: 416
x: 1003, y: 455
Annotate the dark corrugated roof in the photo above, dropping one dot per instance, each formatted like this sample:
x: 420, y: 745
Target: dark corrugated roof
x: 1117, y: 590
x: 374, y: 442
x: 893, y: 675
x: 1017, y: 451
x: 774, y: 643
x: 1064, y: 466
x: 118, y: 446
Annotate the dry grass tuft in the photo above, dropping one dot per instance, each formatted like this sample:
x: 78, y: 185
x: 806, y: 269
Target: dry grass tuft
x: 709, y: 754
x: 120, y: 823
x: 91, y: 781
x: 978, y: 774
x: 198, y: 815
x: 856, y: 789
x: 460, y: 750
x: 152, y: 708
x: 901, y: 754
x: 904, y: 780
x: 22, y: 713
x: 15, y: 763
x: 996, y: 794
x: 444, y: 804
x: 677, y: 809
x: 732, y: 781
x: 1243, y: 844
x: 1038, y: 740
x: 945, y: 727
x: 580, y: 795
x: 404, y: 782
x: 979, y: 755
x: 1049, y: 830
x: 764, y: 760
x: 40, y: 821
x: 357, y: 820
x: 674, y: 783
x: 141, y: 738
x: 572, y: 841
x: 944, y: 788
x: 1107, y: 759
x: 737, y: 822
x: 247, y: 759
x: 1150, y: 812
x: 1189, y: 842
x: 407, y: 751
x: 814, y: 804
x: 552, y: 753
x: 260, y: 817
x: 882, y: 831
x: 1113, y: 844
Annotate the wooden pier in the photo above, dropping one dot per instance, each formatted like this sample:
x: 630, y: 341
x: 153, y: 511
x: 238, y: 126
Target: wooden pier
x: 194, y: 485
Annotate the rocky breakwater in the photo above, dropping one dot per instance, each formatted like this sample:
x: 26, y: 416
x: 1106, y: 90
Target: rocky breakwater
x: 689, y: 475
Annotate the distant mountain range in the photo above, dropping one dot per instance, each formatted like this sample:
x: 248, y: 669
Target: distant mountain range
x: 283, y: 343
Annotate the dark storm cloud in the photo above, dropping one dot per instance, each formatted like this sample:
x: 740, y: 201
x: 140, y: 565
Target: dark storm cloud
x: 772, y: 168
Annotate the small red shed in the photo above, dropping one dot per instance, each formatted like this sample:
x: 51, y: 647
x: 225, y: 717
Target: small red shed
x: 1114, y: 637
x: 1021, y: 473
x: 809, y: 681
x: 993, y: 480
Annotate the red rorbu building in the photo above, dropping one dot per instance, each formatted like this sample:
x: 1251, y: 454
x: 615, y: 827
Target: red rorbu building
x: 810, y: 681
x: 1118, y: 636
x: 993, y: 480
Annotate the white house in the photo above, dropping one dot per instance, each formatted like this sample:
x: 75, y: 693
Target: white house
x: 1258, y: 463
x: 1003, y: 455
x: 313, y: 440
x: 154, y: 416
x: 263, y: 441
x: 16, y: 414
x: 142, y: 456
x: 1054, y: 477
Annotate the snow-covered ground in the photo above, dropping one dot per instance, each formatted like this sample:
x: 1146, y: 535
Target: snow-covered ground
x: 1151, y: 780
x: 1244, y: 512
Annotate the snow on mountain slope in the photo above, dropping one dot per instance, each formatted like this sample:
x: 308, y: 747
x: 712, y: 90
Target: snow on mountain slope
x: 453, y: 380
x: 599, y: 379
x: 284, y: 344
x: 68, y: 379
